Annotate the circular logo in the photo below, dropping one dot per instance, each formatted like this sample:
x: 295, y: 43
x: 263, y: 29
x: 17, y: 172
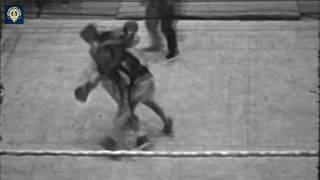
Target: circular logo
x: 14, y: 13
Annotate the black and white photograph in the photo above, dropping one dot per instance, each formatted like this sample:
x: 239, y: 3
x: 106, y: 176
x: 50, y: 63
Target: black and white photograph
x: 159, y: 89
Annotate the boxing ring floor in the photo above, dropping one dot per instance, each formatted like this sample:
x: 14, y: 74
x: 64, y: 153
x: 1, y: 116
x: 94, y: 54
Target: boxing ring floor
x: 237, y: 85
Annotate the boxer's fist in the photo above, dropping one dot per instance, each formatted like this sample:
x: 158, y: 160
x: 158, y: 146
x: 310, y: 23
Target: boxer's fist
x: 81, y: 94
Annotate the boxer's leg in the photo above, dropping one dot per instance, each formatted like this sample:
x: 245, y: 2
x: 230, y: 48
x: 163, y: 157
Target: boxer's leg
x: 143, y: 91
x: 126, y: 129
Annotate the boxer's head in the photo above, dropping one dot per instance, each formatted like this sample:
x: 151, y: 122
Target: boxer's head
x: 89, y: 33
x: 130, y: 28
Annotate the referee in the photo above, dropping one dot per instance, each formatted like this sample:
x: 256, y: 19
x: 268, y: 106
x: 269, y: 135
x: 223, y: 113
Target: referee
x: 162, y: 11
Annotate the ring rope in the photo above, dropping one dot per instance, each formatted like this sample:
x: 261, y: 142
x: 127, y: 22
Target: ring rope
x: 237, y: 154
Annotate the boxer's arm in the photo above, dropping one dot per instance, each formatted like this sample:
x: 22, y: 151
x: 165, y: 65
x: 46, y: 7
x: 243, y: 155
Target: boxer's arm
x: 125, y: 77
x: 123, y: 73
x: 92, y: 78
